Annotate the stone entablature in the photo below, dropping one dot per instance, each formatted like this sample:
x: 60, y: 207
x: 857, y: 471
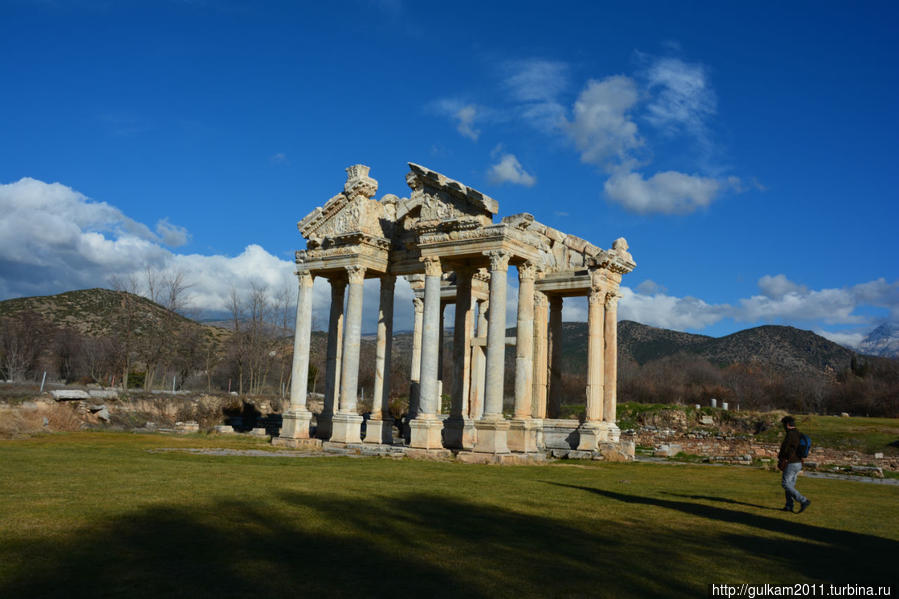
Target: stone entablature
x: 444, y: 240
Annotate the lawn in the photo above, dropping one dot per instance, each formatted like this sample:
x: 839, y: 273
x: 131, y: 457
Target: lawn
x: 98, y: 515
x: 867, y: 435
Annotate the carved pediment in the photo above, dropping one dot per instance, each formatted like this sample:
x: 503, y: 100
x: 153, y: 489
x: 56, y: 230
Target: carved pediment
x: 442, y: 198
x: 352, y: 211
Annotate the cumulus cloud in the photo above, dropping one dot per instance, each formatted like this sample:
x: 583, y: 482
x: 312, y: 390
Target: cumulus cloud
x: 55, y: 239
x: 779, y: 286
x: 669, y: 192
x: 509, y: 170
x: 650, y: 287
x: 682, y: 97
x: 602, y: 127
x: 465, y: 116
x: 666, y: 311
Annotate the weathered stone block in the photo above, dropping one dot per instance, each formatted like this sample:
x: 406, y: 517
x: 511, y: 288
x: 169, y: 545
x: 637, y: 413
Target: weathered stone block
x: 379, y: 432
x: 346, y: 428
x: 523, y: 435
x: 426, y: 433
x: 295, y: 424
x: 492, y: 436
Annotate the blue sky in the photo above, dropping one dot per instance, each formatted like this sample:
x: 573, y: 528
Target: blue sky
x: 747, y: 152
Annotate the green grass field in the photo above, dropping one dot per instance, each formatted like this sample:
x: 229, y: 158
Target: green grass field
x: 98, y: 515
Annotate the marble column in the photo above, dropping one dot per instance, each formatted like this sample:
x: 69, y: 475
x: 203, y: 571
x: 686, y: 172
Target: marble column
x: 459, y: 428
x: 425, y: 429
x: 610, y: 390
x: 541, y: 319
x: 332, y: 364
x: 555, y: 358
x: 418, y: 306
x: 380, y: 425
x: 523, y: 428
x: 478, y: 370
x: 493, y: 428
x: 591, y: 431
x: 347, y: 423
x: 440, y: 342
x: 297, y: 419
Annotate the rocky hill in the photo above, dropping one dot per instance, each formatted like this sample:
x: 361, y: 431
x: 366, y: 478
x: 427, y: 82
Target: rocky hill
x: 94, y: 313
x: 98, y: 312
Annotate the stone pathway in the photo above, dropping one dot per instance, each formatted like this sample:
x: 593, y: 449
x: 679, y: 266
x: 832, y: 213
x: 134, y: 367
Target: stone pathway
x: 831, y: 475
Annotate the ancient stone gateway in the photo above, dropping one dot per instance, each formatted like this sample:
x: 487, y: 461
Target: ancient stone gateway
x: 444, y: 240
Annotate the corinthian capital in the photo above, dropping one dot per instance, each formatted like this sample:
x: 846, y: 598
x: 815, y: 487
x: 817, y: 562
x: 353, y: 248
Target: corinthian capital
x: 355, y: 274
x: 526, y: 271
x: 499, y: 259
x: 612, y: 299
x: 597, y: 295
x: 432, y: 266
x: 418, y: 305
x: 540, y: 300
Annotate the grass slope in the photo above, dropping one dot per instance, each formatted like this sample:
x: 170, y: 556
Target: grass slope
x: 96, y: 515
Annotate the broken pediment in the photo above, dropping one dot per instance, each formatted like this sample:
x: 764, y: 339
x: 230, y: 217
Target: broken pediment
x: 442, y: 198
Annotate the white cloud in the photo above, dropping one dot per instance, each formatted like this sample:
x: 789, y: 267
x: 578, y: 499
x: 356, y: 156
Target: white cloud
x: 683, y: 98
x: 602, y: 128
x: 669, y: 192
x: 850, y: 340
x: 465, y: 115
x: 778, y: 286
x: 55, y: 239
x: 279, y: 158
x: 535, y: 85
x: 509, y: 170
x: 650, y: 287
x: 172, y: 235
x: 665, y: 311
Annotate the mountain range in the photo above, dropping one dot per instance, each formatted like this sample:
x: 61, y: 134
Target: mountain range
x: 782, y: 349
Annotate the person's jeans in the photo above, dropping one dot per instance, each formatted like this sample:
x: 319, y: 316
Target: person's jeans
x: 788, y: 482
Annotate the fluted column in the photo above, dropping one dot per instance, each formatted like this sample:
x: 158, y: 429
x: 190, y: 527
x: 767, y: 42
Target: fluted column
x: 524, y: 346
x: 380, y: 426
x: 426, y: 428
x: 440, y: 343
x: 418, y: 306
x: 493, y: 429
x: 478, y: 370
x: 555, y: 366
x: 334, y: 351
x: 541, y: 318
x: 347, y: 423
x: 461, y: 364
x: 296, y: 421
x: 610, y: 398
x: 595, y: 352
x: 523, y: 428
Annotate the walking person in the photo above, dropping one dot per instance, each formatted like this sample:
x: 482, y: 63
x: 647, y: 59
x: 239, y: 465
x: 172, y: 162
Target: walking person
x: 789, y: 462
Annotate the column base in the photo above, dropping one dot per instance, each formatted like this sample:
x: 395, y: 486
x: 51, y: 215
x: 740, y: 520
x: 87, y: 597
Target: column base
x: 614, y: 432
x: 295, y: 424
x: 460, y: 433
x: 492, y: 436
x: 425, y: 432
x: 379, y: 431
x: 323, y: 430
x: 525, y: 435
x: 346, y: 428
x: 591, y: 434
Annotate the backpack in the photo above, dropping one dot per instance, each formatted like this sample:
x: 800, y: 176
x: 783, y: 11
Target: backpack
x: 805, y: 446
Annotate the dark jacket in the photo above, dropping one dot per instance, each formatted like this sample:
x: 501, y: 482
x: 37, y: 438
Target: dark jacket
x: 790, y: 447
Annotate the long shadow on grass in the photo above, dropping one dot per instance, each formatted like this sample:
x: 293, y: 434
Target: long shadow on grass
x: 299, y: 544
x: 819, y: 552
x: 723, y: 500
